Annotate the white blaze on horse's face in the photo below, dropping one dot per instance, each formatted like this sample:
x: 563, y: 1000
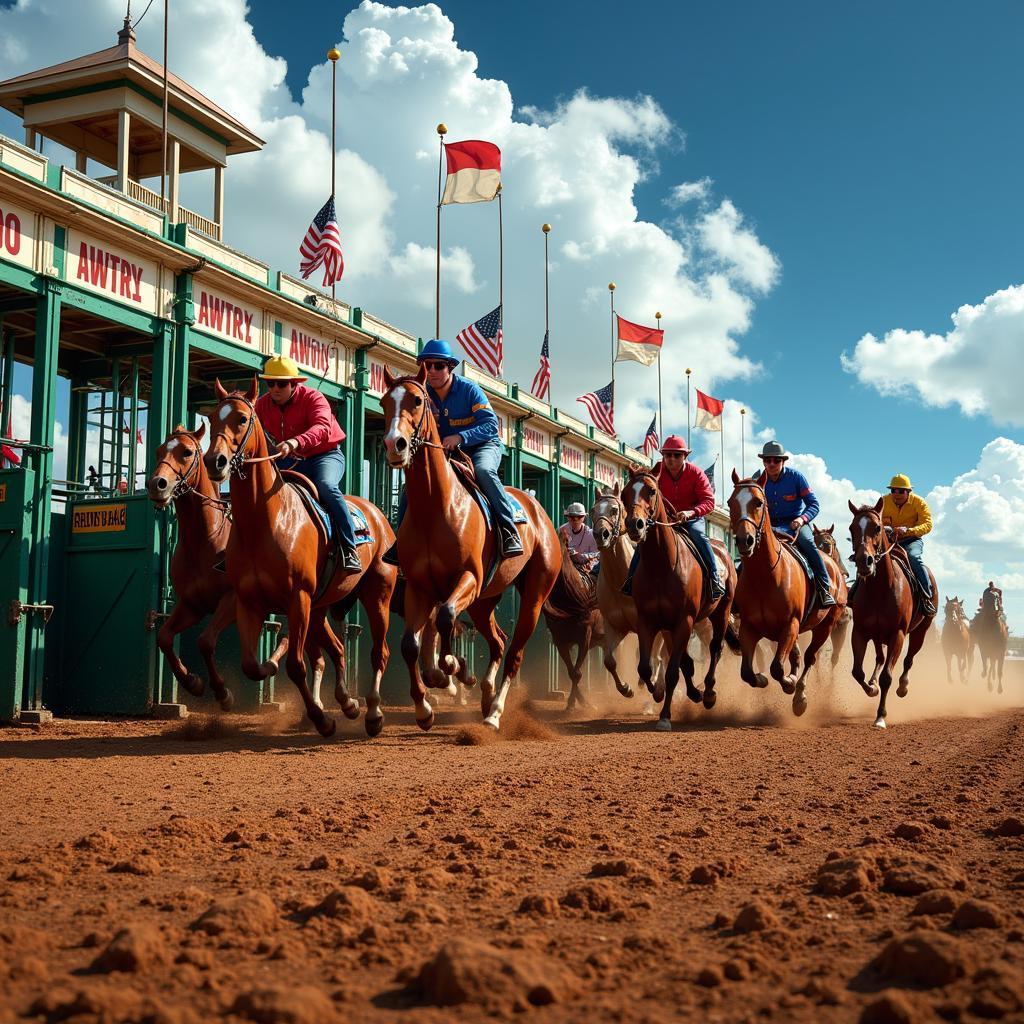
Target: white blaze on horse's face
x: 224, y: 412
x: 744, y: 527
x: 636, y: 524
x: 172, y: 444
x: 606, y: 518
x: 395, y: 457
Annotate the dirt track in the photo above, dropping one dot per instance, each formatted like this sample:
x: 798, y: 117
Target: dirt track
x: 577, y: 871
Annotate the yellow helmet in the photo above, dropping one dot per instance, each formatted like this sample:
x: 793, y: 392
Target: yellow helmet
x: 900, y: 480
x: 281, y: 368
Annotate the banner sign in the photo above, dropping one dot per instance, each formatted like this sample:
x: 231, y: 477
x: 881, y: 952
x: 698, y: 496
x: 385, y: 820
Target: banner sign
x: 227, y: 317
x: 573, y: 459
x: 536, y: 442
x: 99, y: 519
x: 111, y: 271
x: 310, y: 351
x: 17, y: 234
x: 607, y: 473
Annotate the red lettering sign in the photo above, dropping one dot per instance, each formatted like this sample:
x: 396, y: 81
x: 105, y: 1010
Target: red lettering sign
x: 10, y: 233
x: 310, y: 351
x: 222, y: 316
x: 605, y: 473
x: 377, y: 385
x: 533, y: 440
x: 573, y: 459
x: 108, y: 272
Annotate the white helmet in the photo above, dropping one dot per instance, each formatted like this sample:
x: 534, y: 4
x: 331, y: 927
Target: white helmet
x: 576, y: 509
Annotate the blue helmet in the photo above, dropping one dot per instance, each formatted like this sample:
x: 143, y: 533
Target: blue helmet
x: 438, y: 349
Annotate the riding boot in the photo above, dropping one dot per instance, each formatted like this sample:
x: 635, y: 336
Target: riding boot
x: 825, y: 598
x: 350, y: 561
x: 510, y: 544
x: 927, y: 607
x: 390, y: 557
x: 717, y: 587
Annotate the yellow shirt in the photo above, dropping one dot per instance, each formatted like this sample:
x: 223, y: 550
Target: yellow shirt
x: 914, y: 515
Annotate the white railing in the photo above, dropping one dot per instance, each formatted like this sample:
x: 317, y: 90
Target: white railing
x: 148, y: 197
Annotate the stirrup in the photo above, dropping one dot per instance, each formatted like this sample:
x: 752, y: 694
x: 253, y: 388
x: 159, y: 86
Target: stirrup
x: 510, y: 544
x: 350, y: 561
x: 390, y: 557
x: 825, y: 598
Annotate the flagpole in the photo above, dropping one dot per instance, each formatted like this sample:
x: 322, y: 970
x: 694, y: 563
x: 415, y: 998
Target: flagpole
x: 689, y: 418
x: 442, y: 130
x: 721, y: 475
x: 332, y: 55
x: 501, y: 269
x: 163, y: 131
x: 546, y: 228
x: 611, y: 296
x: 743, y: 442
x: 661, y: 425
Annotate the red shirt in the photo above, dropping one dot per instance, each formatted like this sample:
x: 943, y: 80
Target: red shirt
x: 690, y: 491
x: 306, y: 418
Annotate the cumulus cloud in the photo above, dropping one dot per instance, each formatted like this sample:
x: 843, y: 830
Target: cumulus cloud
x: 689, y: 191
x: 575, y: 164
x: 973, y: 366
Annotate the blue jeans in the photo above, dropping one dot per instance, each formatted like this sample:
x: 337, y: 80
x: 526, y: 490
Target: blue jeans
x: 486, y: 460
x: 914, y: 548
x: 327, y: 470
x: 696, y: 530
x: 805, y: 542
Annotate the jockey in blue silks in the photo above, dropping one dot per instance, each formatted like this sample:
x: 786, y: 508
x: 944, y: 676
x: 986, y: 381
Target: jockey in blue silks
x: 792, y: 506
x: 466, y: 420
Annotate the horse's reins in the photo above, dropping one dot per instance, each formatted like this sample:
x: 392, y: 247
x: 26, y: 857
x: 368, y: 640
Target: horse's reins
x: 891, y: 541
x: 617, y: 530
x: 417, y: 441
x: 651, y: 521
x: 238, y: 458
x: 759, y: 529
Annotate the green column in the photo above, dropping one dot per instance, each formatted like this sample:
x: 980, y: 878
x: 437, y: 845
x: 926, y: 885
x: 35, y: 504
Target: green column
x: 591, y: 483
x: 515, y: 457
x: 554, y: 483
x: 44, y: 415
x: 158, y: 418
x: 185, y: 318
x: 356, y: 471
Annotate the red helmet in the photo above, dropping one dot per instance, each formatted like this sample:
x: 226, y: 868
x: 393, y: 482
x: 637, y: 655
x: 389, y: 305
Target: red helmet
x: 674, y: 443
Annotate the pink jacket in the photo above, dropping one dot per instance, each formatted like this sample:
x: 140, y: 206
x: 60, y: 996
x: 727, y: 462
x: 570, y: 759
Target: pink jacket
x: 307, y: 418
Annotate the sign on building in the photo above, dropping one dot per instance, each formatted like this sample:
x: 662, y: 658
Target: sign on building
x: 320, y: 356
x: 228, y: 317
x: 90, y: 518
x: 108, y: 269
x: 17, y: 234
x: 573, y: 459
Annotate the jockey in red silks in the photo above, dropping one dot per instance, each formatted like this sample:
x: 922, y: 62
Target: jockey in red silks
x: 686, y: 487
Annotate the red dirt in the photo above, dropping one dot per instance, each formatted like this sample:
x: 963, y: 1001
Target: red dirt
x: 577, y: 870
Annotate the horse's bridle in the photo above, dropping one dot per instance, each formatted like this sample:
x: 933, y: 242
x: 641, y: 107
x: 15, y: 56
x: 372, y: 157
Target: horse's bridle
x: 886, y: 551
x: 182, y: 486
x: 417, y: 440
x: 617, y: 528
x: 238, y: 458
x: 759, y: 526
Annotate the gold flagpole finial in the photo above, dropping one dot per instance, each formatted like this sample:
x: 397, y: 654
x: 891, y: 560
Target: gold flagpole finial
x: 442, y: 129
x: 611, y: 286
x: 657, y: 316
x: 688, y: 371
x: 545, y: 228
x: 333, y: 54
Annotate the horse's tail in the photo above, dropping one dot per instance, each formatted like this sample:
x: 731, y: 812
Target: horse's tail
x: 732, y: 639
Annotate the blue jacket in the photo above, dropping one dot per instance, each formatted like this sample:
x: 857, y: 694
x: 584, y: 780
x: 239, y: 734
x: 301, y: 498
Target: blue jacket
x: 466, y: 411
x: 788, y: 497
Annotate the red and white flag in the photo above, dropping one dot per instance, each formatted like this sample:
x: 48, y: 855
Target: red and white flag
x: 637, y: 342
x: 709, y: 412
x: 474, y: 172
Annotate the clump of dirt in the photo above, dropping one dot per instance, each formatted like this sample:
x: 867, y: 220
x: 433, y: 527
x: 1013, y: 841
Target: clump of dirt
x: 300, y: 1004
x: 250, y: 913
x: 136, y: 947
x: 202, y: 728
x: 925, y: 958
x: 519, y: 723
x: 499, y: 981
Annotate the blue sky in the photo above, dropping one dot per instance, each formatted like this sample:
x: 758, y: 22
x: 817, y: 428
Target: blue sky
x: 876, y: 147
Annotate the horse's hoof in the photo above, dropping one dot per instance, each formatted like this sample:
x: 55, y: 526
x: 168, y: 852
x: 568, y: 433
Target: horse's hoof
x: 436, y: 679
x: 658, y: 693
x: 694, y: 694
x: 351, y: 709
x: 470, y: 683
x: 326, y: 727
x: 663, y: 725
x: 193, y: 684
x: 872, y: 691
x: 901, y: 690
x: 788, y: 687
x: 373, y: 726
x: 879, y: 723
x: 426, y: 723
x: 710, y: 699
x: 493, y: 722
x: 227, y: 702
x: 762, y: 681
x: 799, y: 706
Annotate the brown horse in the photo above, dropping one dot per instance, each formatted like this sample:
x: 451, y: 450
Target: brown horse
x: 617, y: 609
x: 276, y: 555
x: 956, y: 638
x: 446, y: 551
x: 773, y: 593
x: 573, y: 620
x: 668, y: 590
x: 884, y: 610
x: 825, y: 540
x: 988, y: 631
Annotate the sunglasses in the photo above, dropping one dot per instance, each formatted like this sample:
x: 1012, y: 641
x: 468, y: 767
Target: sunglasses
x: 671, y: 455
x: 899, y: 490
x: 279, y: 383
x: 771, y: 460
x: 435, y: 364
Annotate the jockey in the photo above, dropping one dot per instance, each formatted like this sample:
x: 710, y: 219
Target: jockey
x: 465, y: 420
x: 579, y: 538
x: 909, y: 518
x: 302, y: 420
x: 992, y: 598
x: 792, y: 506
x: 688, y: 490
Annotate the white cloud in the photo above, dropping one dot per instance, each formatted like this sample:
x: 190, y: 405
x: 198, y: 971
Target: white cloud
x: 974, y: 366
x: 689, y: 191
x: 575, y: 164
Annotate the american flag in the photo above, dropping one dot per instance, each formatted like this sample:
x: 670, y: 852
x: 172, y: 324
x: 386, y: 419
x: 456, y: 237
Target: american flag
x: 322, y: 244
x: 541, y: 386
x: 482, y: 340
x: 601, y: 406
x: 651, y: 443
x: 710, y: 474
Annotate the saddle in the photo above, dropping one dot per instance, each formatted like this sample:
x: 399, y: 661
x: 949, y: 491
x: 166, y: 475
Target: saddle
x: 789, y: 544
x: 917, y: 594
x: 705, y: 569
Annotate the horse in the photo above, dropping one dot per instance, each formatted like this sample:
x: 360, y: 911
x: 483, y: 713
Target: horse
x: 773, y: 594
x: 826, y: 543
x: 668, y: 588
x: 884, y: 610
x: 573, y: 620
x: 446, y: 553
x: 617, y: 609
x: 988, y: 631
x: 956, y: 638
x: 276, y: 555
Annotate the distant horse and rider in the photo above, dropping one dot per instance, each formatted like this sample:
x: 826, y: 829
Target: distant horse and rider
x: 989, y: 633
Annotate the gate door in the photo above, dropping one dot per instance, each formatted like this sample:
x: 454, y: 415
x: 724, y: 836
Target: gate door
x: 109, y: 656
x: 16, y: 487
